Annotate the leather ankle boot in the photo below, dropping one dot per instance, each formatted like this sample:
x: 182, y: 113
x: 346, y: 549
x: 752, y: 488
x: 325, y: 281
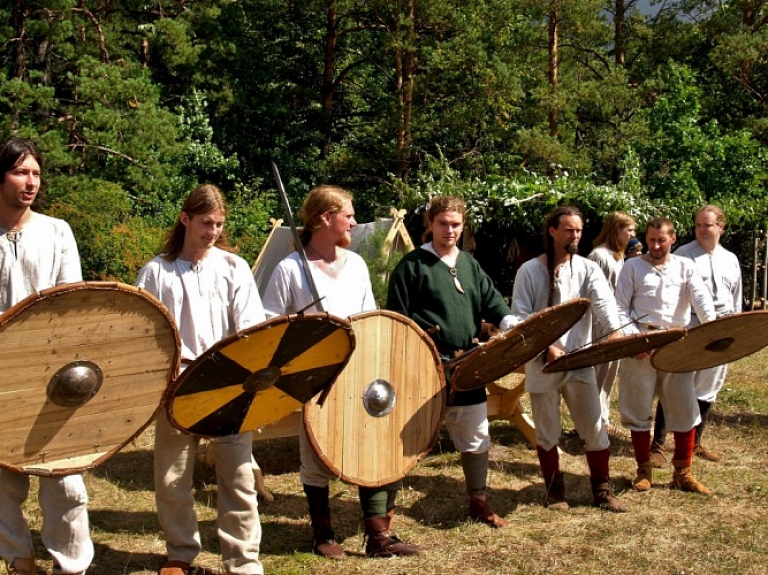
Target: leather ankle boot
x: 324, y: 540
x: 556, y: 493
x: 684, y: 480
x: 22, y: 566
x: 604, y: 497
x: 644, y: 479
x: 381, y: 543
x: 479, y: 510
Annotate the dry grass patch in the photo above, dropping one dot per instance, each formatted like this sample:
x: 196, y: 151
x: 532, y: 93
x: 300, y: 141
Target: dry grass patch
x: 665, y: 532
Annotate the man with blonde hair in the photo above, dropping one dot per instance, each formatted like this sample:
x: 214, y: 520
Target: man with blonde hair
x: 343, y: 282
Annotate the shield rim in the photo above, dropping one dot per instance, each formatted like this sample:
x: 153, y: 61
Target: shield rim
x: 583, y: 358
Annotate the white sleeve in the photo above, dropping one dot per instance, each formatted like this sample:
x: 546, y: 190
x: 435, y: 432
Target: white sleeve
x: 247, y: 309
x: 70, y: 270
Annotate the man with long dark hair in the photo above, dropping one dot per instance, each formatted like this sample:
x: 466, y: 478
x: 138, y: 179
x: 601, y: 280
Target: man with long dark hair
x: 37, y: 252
x: 211, y: 294
x: 557, y: 276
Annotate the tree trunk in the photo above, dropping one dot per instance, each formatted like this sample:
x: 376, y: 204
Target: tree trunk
x: 618, y: 33
x: 329, y: 73
x: 17, y: 23
x: 554, y: 110
x: 405, y: 68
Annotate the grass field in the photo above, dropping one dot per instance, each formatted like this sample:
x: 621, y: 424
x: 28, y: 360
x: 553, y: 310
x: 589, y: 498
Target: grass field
x: 665, y: 532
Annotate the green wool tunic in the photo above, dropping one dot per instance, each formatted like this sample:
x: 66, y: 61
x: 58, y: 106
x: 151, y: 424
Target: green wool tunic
x: 422, y: 288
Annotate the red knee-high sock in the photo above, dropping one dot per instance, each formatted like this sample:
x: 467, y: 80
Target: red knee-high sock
x: 549, y: 462
x: 684, y: 441
x: 598, y: 465
x: 641, y: 443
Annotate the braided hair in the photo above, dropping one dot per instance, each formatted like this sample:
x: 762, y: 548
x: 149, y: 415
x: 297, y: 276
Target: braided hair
x: 553, y: 221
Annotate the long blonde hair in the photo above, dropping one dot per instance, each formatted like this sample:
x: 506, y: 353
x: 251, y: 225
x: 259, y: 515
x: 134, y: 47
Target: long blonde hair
x: 609, y: 235
x: 203, y: 199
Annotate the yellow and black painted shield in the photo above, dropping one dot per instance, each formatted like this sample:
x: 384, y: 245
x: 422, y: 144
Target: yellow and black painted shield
x: 260, y: 375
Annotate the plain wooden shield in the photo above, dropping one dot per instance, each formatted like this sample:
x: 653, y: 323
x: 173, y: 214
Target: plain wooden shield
x: 84, y: 370
x: 373, y: 439
x: 260, y: 375
x: 717, y: 342
x: 613, y: 349
x: 506, y: 352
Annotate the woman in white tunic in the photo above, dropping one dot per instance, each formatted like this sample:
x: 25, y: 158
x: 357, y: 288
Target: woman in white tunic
x: 610, y: 247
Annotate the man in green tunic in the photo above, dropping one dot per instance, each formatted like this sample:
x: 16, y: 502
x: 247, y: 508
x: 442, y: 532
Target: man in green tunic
x: 446, y: 292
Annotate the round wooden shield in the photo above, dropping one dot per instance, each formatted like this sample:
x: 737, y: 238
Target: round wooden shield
x: 613, y: 349
x: 504, y: 353
x: 85, y: 368
x: 717, y: 342
x: 260, y: 375
x: 384, y: 412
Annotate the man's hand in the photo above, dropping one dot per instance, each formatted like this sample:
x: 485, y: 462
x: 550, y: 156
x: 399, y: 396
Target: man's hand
x: 553, y: 352
x: 615, y: 334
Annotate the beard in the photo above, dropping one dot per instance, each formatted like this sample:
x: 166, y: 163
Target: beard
x: 572, y: 249
x: 659, y: 256
x: 344, y: 241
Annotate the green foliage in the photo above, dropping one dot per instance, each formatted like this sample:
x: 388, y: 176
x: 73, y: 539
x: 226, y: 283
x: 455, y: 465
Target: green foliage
x: 521, y: 203
x: 135, y: 103
x: 113, y: 243
x: 248, y: 221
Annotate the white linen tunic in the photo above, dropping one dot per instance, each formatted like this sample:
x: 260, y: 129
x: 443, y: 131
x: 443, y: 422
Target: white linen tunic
x: 721, y: 273
x: 578, y: 278
x: 611, y: 267
x: 347, y: 294
x: 581, y: 278
x: 658, y: 299
x: 210, y: 300
x: 43, y: 255
x: 606, y: 372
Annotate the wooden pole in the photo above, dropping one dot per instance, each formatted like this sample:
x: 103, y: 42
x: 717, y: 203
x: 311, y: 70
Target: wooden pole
x: 765, y: 274
x: 755, y: 253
